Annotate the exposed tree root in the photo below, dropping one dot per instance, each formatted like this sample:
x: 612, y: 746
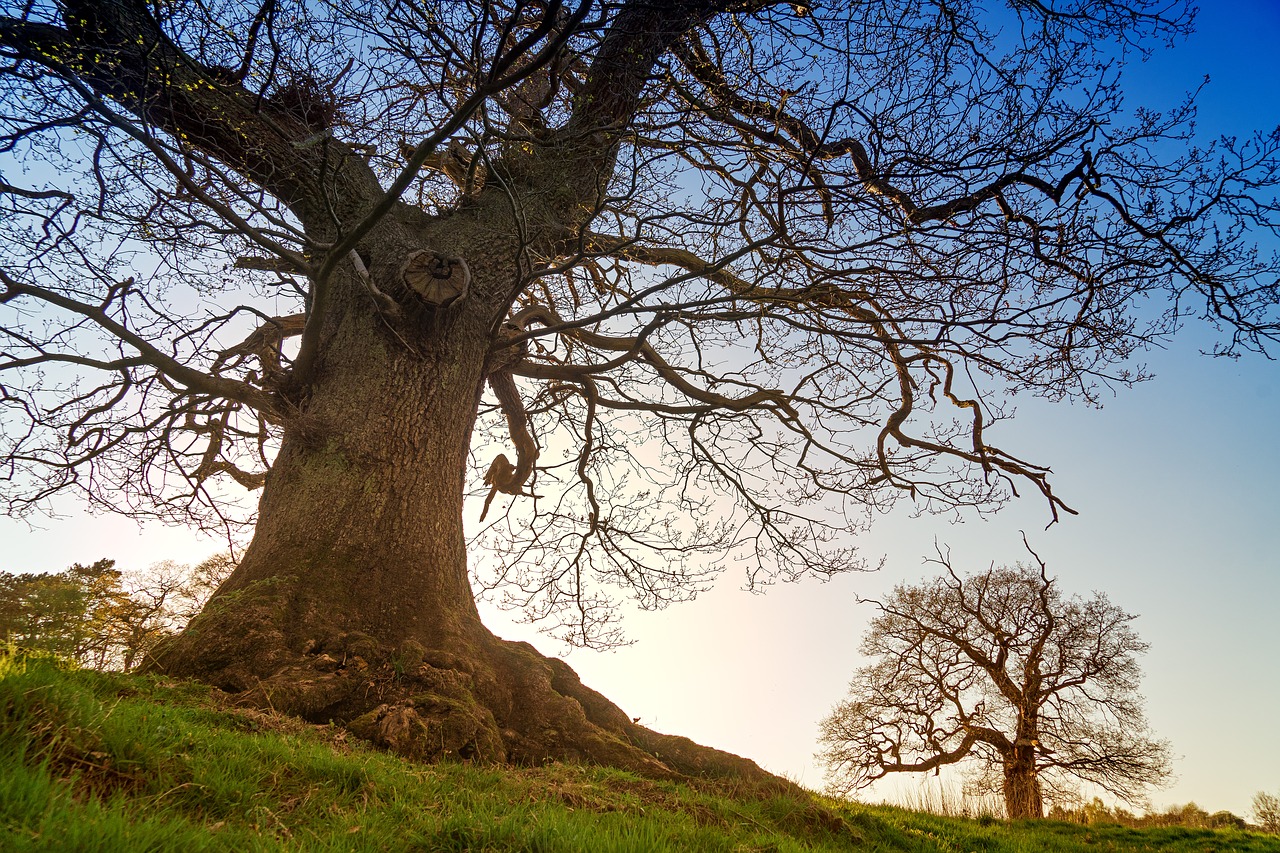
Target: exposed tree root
x: 493, y: 701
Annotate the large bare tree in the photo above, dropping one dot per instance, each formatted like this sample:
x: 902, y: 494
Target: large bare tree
x: 675, y: 280
x: 1003, y: 672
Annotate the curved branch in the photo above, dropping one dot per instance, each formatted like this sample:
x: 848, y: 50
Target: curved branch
x: 763, y: 398
x: 795, y: 134
x: 502, y: 476
x: 933, y: 762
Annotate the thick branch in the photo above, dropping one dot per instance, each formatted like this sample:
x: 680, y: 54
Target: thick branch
x: 118, y: 49
x: 641, y: 33
x: 502, y: 475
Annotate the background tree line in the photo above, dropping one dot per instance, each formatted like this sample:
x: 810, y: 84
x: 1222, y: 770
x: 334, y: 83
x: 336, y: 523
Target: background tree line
x: 107, y: 619
x: 102, y: 617
x: 1189, y: 815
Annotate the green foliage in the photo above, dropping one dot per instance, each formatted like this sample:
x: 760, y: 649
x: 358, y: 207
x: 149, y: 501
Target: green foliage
x: 67, y: 614
x: 1187, y: 816
x: 100, y: 617
x: 111, y: 762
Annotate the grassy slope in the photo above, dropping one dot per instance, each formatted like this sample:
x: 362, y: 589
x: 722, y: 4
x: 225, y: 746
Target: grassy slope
x: 117, y: 763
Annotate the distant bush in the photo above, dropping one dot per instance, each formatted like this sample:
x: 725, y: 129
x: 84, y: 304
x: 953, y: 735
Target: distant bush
x: 1189, y: 815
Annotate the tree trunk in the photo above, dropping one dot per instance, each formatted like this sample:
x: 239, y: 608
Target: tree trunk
x: 1022, y: 797
x: 352, y: 604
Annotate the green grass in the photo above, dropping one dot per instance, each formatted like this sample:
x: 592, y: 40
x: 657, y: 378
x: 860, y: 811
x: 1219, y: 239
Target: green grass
x: 99, y: 762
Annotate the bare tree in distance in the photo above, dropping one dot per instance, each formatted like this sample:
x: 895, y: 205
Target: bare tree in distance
x: 1266, y: 811
x: 999, y: 670
x: 160, y: 601
x: 667, y: 283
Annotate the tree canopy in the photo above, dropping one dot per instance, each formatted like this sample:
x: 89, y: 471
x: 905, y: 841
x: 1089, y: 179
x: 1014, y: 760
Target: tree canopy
x: 827, y: 239
x: 66, y: 614
x: 1002, y: 671
x: 665, y: 280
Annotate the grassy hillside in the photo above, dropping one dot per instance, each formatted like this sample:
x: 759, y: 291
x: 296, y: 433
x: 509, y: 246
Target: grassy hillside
x: 91, y: 761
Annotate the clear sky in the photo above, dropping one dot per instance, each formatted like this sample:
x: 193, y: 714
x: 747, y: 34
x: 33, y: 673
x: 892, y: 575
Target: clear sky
x: 1179, y: 522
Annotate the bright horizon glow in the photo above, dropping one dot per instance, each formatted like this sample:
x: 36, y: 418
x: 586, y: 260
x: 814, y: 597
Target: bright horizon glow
x: 1178, y: 523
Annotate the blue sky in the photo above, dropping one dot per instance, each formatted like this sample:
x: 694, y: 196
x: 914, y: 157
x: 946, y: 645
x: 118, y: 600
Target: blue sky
x: 1175, y: 482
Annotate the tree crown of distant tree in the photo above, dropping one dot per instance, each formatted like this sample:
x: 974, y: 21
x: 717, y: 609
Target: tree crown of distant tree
x: 1266, y: 811
x: 1000, y: 670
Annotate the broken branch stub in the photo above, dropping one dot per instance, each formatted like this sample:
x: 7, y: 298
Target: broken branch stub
x: 438, y: 279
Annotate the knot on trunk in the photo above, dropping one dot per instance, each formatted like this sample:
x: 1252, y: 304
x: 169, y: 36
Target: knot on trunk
x: 437, y: 279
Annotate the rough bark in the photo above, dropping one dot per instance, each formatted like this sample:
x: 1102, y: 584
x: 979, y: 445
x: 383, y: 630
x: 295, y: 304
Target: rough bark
x: 1022, y: 795
x: 352, y: 603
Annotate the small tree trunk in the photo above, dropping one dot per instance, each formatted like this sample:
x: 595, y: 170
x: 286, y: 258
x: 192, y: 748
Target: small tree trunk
x: 1022, y: 797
